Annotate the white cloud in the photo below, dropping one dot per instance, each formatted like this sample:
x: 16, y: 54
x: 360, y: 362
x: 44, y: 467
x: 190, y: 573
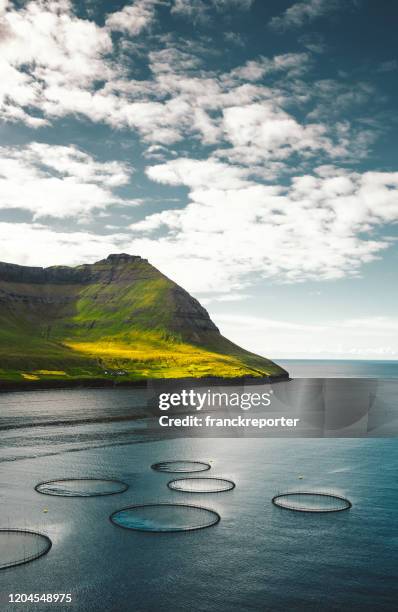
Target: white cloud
x: 263, y: 323
x: 300, y: 13
x: 44, y: 47
x: 293, y: 64
x: 263, y: 131
x: 198, y: 10
x: 54, y: 64
x: 373, y: 325
x: 315, y: 229
x: 159, y: 152
x: 133, y: 19
x: 314, y: 42
x: 37, y: 245
x: 226, y: 297
x: 196, y: 174
x: 296, y: 338
x: 172, y: 60
x: 191, y: 9
x: 58, y: 181
x: 235, y: 38
x: 225, y: 5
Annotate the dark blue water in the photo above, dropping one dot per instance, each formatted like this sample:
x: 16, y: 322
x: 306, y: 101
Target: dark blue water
x: 258, y: 557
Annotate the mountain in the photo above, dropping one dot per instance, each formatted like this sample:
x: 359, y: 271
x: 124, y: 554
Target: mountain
x: 118, y: 319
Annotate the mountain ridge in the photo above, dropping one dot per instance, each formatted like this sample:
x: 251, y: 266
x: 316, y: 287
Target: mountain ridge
x: 119, y: 314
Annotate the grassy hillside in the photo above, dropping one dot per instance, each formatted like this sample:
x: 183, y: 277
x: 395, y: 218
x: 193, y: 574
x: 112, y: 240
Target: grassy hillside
x: 118, y: 319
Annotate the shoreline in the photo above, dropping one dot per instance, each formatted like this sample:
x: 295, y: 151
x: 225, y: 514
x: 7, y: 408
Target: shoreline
x: 82, y: 383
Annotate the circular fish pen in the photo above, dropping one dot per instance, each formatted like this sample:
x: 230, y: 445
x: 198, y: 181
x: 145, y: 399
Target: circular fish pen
x: 311, y: 501
x: 201, y: 485
x: 164, y: 518
x: 181, y: 466
x: 81, y: 487
x: 19, y: 546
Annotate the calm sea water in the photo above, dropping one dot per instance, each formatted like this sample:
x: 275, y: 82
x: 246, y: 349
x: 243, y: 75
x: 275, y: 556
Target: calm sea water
x: 334, y: 368
x: 258, y: 557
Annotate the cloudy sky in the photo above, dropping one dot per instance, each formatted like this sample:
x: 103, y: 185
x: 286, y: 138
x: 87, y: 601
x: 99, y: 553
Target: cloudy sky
x: 246, y: 148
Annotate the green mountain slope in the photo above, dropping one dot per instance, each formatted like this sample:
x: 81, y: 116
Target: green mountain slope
x: 118, y: 319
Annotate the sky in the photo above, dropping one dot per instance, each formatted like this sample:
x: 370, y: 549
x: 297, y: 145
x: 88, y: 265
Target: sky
x: 246, y: 148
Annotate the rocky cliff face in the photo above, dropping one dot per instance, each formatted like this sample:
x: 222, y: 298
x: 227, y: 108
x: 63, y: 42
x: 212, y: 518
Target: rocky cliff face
x: 65, y: 275
x: 62, y: 286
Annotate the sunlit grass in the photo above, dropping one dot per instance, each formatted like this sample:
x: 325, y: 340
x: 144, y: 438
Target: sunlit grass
x: 159, y: 359
x: 51, y: 372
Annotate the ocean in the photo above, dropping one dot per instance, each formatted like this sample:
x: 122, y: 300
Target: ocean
x: 257, y: 557
x: 336, y: 368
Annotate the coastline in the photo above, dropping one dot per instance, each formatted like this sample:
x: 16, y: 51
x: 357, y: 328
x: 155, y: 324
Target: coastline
x: 87, y: 383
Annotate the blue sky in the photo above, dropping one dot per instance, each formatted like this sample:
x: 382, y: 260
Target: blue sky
x: 246, y: 148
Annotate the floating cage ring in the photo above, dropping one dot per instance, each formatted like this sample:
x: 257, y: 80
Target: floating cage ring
x: 181, y: 466
x: 201, y: 485
x: 81, y: 487
x: 19, y: 546
x: 164, y: 517
x: 321, y: 501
